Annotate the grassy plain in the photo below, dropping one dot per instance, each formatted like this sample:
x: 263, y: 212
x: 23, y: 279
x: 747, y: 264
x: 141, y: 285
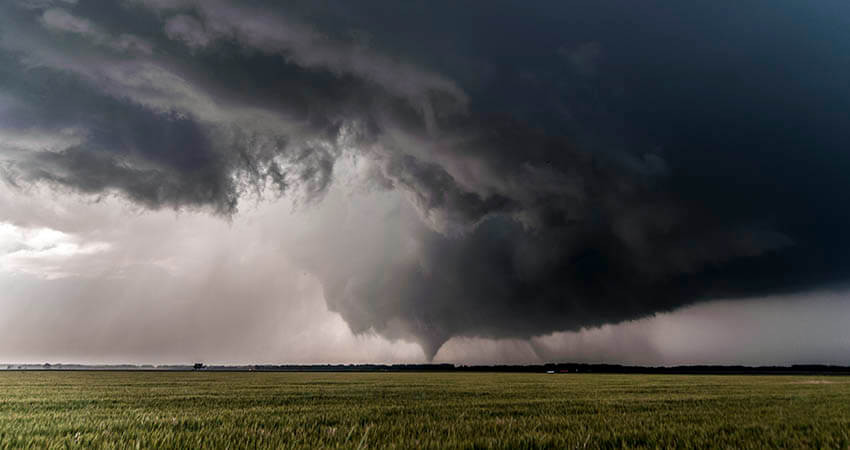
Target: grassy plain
x: 414, y: 410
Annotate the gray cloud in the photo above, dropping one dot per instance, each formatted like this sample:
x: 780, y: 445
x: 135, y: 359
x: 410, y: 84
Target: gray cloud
x: 189, y: 30
x: 58, y: 19
x: 522, y: 220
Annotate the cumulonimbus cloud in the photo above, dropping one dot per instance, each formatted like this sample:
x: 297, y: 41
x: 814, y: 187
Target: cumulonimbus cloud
x: 525, y: 227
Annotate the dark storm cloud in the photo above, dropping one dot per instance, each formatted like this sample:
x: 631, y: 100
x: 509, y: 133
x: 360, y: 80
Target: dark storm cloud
x: 572, y: 165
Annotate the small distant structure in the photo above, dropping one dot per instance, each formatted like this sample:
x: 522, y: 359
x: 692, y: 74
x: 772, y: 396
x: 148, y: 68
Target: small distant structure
x: 550, y: 371
x: 198, y: 366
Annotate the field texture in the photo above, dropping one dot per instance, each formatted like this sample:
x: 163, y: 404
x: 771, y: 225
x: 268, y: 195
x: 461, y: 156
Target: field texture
x: 410, y: 410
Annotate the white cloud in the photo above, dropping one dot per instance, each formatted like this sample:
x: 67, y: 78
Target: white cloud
x: 44, y: 252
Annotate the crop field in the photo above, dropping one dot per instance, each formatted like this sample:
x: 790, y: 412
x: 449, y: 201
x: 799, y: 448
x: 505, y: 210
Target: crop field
x: 414, y: 410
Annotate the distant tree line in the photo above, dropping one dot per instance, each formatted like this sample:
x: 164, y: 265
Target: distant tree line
x: 556, y: 368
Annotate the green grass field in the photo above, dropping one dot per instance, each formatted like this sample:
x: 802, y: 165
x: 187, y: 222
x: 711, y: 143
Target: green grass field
x: 406, y: 410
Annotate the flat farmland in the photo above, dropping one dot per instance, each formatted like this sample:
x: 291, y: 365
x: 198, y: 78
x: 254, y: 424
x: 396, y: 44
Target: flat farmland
x: 416, y: 410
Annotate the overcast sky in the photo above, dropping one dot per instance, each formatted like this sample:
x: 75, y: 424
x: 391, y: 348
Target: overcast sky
x: 381, y: 181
